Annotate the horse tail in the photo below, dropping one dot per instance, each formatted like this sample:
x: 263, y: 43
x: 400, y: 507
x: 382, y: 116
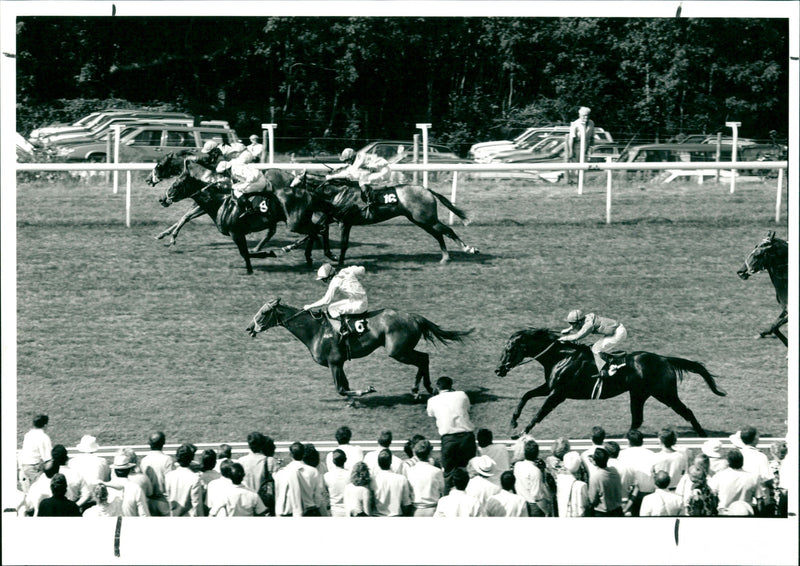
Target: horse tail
x: 682, y: 365
x: 451, y: 207
x: 432, y: 331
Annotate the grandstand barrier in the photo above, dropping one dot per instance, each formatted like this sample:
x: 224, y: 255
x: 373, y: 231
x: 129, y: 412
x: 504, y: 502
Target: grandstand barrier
x: 610, y: 167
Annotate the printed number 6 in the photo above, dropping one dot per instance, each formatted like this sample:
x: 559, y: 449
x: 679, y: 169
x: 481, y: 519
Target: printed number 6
x: 263, y: 206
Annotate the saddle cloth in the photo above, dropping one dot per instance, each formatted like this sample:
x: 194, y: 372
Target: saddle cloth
x: 357, y: 323
x: 229, y: 213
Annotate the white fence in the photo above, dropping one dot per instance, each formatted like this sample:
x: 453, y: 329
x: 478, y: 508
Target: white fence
x: 676, y: 168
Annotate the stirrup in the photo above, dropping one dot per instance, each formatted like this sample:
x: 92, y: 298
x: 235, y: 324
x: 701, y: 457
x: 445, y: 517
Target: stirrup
x: 597, y: 390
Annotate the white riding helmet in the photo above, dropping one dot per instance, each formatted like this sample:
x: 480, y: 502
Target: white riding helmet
x: 254, y: 138
x: 574, y: 316
x: 325, y: 271
x: 245, y: 157
x: 223, y: 166
x: 234, y: 149
x: 347, y: 154
x: 209, y: 145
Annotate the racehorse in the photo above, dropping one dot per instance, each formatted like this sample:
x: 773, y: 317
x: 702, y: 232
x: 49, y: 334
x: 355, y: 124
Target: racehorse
x: 214, y: 189
x: 772, y: 254
x: 415, y: 202
x: 396, y: 331
x: 569, y: 371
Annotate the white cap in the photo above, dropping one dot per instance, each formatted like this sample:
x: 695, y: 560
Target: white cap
x: 574, y: 315
x: 223, y: 166
x: 584, y: 111
x: 347, y: 154
x: 325, y: 271
x: 209, y: 145
x: 254, y: 138
x: 245, y: 157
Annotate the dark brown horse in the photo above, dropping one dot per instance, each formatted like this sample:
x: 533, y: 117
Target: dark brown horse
x: 569, y: 372
x: 416, y: 203
x: 396, y: 331
x: 772, y: 254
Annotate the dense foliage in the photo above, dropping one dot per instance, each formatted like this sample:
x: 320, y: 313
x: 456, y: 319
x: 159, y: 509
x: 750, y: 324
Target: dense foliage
x: 473, y: 78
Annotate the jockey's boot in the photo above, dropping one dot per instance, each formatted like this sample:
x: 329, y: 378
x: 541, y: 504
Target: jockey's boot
x: 368, y: 197
x: 244, y: 204
x: 344, y: 331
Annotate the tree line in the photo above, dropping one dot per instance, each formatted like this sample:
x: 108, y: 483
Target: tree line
x: 372, y: 77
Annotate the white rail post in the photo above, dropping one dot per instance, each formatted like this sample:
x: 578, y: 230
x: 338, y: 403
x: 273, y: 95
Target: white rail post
x: 117, y: 128
x: 453, y: 196
x: 580, y: 160
x: 128, y: 199
x: 424, y: 128
x: 106, y: 175
x: 271, y: 138
x: 415, y: 158
x: 608, y: 192
x: 735, y: 127
x: 778, y: 197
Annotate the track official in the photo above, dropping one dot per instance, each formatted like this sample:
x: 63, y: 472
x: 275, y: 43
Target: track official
x: 451, y: 410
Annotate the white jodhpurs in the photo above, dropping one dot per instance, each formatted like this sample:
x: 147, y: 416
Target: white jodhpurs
x: 355, y: 305
x: 608, y: 344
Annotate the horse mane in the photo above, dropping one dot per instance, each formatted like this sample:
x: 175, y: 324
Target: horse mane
x: 546, y: 333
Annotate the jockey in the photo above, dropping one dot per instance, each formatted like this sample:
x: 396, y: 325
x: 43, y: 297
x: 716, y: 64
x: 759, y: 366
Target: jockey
x: 245, y: 179
x: 612, y: 331
x: 345, y: 295
x: 210, y: 155
x: 366, y: 169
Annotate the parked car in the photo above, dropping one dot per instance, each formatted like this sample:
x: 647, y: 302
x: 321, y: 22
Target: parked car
x: 25, y: 151
x: 144, y: 142
x: 712, y: 138
x: 488, y: 151
x: 672, y: 152
x: 36, y: 135
x: 103, y: 125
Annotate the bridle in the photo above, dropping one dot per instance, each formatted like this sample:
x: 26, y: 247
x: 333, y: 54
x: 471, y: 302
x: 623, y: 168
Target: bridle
x: 278, y: 320
x: 536, y: 357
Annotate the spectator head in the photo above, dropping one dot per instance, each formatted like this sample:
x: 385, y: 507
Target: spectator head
x: 88, y: 444
x: 600, y: 457
x: 712, y: 448
x: 359, y: 475
x: 339, y: 458
x: 661, y: 479
x: 507, y: 480
x: 702, y: 460
x: 779, y: 449
x: 444, y: 383
x: 561, y: 447
x: 598, y: 435
x: 735, y: 459
x: 667, y: 437
x: 269, y: 447
x: 459, y: 478
x: 58, y: 485
x: 51, y: 468
x: 224, y: 452
x: 749, y: 435
x: 100, y: 493
x: 385, y: 439
x: 297, y: 450
x: 208, y: 459
x: 157, y: 440
x: 422, y: 449
x: 255, y: 441
x: 40, y: 421
x: 531, y: 450
x: 343, y: 435
x: 237, y: 473
x: 740, y: 509
x: 572, y: 462
x: 384, y: 459
x: 612, y: 448
x: 697, y: 475
x: 310, y: 455
x: 409, y: 446
x: 59, y: 454
x: 122, y: 464
x: 185, y: 454
x: 635, y: 437
x: 484, y: 437
x: 225, y: 468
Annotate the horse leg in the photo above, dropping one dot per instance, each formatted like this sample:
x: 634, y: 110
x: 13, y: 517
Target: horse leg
x: 540, y: 391
x: 637, y: 408
x: 782, y: 319
x: 450, y: 233
x: 553, y: 400
x: 308, y: 250
x: 326, y: 241
x: 343, y: 386
x: 344, y: 241
x: 270, y: 232
x: 241, y: 242
x: 175, y: 228
x: 437, y: 236
x: 677, y: 405
x: 422, y: 361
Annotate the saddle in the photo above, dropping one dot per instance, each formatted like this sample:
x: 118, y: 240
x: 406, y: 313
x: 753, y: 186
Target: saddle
x: 616, y: 360
x: 354, y: 324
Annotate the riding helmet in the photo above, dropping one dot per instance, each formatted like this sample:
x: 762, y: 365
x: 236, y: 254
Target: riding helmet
x: 347, y: 154
x: 575, y: 316
x: 325, y: 271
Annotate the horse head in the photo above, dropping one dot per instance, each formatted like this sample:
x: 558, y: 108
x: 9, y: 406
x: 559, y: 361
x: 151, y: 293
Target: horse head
x: 168, y: 166
x: 265, y: 318
x: 298, y: 179
x: 532, y: 342
x: 762, y: 256
x: 192, y: 179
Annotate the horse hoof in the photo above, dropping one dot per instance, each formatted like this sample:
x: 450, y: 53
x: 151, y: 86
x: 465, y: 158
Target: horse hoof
x: 472, y: 250
x: 444, y: 261
x: 515, y: 436
x: 332, y: 257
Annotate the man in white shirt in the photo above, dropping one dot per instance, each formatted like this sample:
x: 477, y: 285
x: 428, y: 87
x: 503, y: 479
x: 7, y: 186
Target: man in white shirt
x: 482, y: 468
x: 217, y: 490
x: 497, y: 452
x: 240, y: 500
x: 392, y: 490
x: 354, y: 453
x: 507, y: 503
x: 426, y: 481
x: 637, y: 469
x: 457, y: 503
x: 155, y: 465
x: 40, y: 489
x: 598, y: 438
x: 733, y: 483
x: 670, y: 460
x: 384, y: 443
x: 583, y: 127
x: 451, y: 410
x: 36, y: 447
x: 134, y: 502
x: 299, y: 490
x: 255, y: 147
x: 335, y: 479
x: 184, y: 488
x: 754, y: 461
x: 91, y: 467
x: 662, y: 502
x: 77, y: 489
x: 530, y: 482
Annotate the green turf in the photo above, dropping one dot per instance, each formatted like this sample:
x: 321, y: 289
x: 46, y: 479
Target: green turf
x: 119, y: 335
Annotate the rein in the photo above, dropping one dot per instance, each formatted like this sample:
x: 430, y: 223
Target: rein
x: 537, y: 356
x: 258, y: 327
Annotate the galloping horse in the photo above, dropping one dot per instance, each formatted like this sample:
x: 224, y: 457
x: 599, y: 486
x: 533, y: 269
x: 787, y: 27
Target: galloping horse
x: 772, y: 254
x: 396, y: 331
x: 569, y: 372
x: 415, y: 202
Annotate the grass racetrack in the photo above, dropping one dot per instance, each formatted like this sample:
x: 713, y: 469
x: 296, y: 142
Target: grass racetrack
x: 119, y: 335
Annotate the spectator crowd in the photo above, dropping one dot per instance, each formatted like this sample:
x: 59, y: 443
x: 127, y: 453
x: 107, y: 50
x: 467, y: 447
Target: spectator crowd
x: 472, y: 477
